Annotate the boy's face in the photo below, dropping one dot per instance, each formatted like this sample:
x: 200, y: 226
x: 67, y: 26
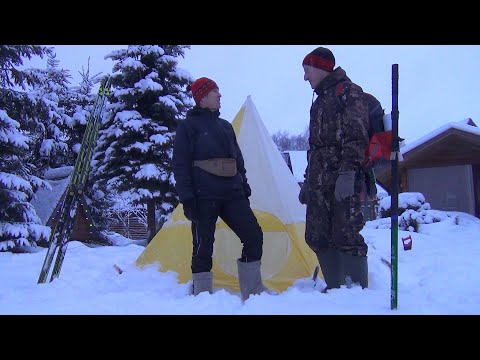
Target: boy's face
x: 212, y: 100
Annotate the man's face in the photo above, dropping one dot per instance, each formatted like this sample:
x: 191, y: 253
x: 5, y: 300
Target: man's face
x: 212, y: 100
x: 313, y: 75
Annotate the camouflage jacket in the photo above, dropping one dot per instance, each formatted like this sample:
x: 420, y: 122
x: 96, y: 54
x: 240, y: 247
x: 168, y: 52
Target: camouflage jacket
x: 338, y: 134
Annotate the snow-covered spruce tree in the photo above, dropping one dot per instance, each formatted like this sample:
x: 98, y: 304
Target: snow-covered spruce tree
x: 135, y: 146
x: 20, y: 227
x: 53, y: 121
x: 82, y: 107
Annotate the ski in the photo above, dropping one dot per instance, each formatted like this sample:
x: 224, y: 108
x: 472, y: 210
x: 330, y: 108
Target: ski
x: 62, y: 229
x: 80, y: 180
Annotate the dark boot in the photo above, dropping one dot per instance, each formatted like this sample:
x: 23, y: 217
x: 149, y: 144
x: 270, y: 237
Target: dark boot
x: 356, y: 267
x: 202, y: 282
x: 331, y: 263
x: 250, y: 279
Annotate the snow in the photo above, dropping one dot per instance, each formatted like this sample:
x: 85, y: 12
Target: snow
x: 45, y: 200
x: 438, y: 276
x: 58, y: 173
x: 404, y: 199
x: 460, y: 125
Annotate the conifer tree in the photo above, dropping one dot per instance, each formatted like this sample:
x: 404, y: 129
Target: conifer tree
x: 135, y: 146
x: 53, y: 121
x: 20, y: 227
x: 82, y: 103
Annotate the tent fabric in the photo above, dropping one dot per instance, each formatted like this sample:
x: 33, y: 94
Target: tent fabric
x: 274, y: 200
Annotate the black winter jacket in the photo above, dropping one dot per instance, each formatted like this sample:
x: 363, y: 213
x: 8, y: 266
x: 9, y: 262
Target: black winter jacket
x: 204, y: 135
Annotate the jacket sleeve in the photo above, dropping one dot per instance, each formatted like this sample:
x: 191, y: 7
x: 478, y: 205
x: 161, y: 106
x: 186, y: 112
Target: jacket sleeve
x: 241, y: 168
x: 354, y: 128
x: 182, y: 163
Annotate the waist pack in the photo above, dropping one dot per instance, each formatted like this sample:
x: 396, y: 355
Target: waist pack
x: 218, y: 166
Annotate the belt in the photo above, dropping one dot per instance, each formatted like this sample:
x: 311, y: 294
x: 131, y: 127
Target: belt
x: 226, y: 167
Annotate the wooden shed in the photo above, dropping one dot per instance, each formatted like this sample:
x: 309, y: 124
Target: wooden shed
x: 444, y: 166
x: 83, y: 227
x: 47, y: 204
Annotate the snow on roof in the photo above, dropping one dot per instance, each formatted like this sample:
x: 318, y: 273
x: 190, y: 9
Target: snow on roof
x: 45, y: 201
x: 463, y: 125
x: 58, y: 173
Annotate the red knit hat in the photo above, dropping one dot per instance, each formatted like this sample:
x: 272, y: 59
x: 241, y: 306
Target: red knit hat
x: 320, y: 58
x: 201, y: 87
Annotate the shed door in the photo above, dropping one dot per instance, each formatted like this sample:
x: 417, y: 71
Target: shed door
x: 447, y: 188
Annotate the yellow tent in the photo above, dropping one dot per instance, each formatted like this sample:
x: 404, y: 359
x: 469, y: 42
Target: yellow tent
x: 286, y: 257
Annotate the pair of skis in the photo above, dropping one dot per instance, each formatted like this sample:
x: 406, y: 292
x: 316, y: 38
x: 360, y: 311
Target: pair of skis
x: 62, y: 229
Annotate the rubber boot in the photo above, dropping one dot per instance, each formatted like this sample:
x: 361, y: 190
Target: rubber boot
x: 250, y: 279
x: 202, y: 282
x: 356, y: 267
x: 331, y: 263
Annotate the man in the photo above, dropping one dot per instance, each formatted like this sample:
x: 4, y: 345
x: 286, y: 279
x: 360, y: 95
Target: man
x: 211, y: 182
x: 334, y: 177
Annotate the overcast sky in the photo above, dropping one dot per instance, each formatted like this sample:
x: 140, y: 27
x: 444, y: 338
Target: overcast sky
x: 437, y: 84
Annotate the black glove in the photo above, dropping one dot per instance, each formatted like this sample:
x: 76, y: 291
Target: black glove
x: 190, y: 210
x: 344, y: 185
x: 304, y: 196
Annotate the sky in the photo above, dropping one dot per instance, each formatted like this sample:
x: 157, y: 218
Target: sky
x: 438, y: 276
x: 438, y: 84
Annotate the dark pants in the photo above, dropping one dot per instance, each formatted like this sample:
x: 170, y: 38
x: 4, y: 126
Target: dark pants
x: 238, y: 215
x: 334, y: 224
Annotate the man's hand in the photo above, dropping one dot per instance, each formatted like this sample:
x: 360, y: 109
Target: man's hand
x: 190, y: 210
x: 344, y: 185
